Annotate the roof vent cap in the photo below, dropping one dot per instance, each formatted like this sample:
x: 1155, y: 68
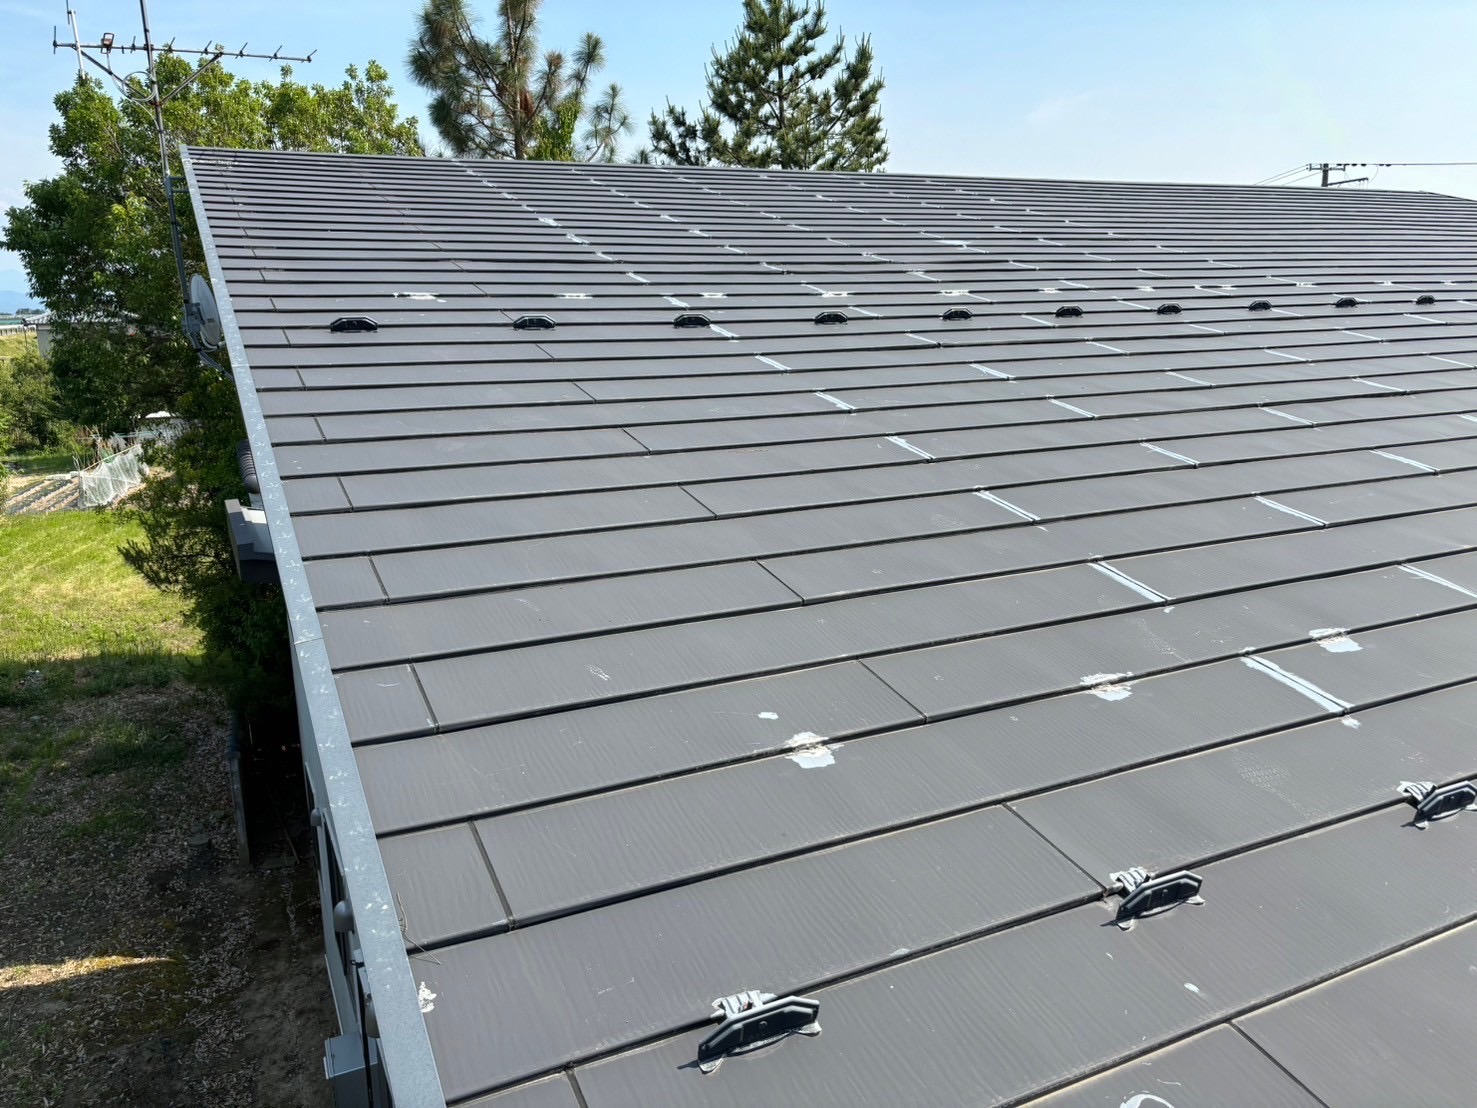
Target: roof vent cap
x: 692, y: 319
x: 1346, y: 302
x: 1259, y: 306
x: 353, y: 324
x: 1167, y: 309
x: 1069, y: 311
x: 957, y: 315
x: 830, y: 317
x: 1425, y: 299
x: 533, y: 323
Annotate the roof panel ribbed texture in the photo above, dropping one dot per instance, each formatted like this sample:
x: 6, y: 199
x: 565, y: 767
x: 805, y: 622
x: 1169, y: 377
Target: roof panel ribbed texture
x: 847, y: 574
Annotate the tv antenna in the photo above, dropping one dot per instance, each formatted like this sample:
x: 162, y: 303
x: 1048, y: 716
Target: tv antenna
x: 100, y: 55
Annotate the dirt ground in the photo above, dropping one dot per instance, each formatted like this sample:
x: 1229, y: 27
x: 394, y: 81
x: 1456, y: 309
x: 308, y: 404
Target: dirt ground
x: 140, y: 962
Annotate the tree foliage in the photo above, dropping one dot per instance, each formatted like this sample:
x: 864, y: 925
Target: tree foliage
x: 96, y: 246
x: 497, y: 98
x: 95, y: 238
x: 778, y: 98
x: 28, y: 414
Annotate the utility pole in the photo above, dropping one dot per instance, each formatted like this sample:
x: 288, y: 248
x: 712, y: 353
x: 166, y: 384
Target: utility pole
x: 1325, y: 168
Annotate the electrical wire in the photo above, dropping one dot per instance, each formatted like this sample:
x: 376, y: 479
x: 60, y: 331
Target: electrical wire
x: 1279, y: 176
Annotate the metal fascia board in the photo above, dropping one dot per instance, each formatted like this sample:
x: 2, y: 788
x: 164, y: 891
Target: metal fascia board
x: 410, y: 1067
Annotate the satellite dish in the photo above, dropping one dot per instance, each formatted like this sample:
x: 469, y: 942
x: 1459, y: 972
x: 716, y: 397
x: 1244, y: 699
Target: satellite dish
x: 207, y: 317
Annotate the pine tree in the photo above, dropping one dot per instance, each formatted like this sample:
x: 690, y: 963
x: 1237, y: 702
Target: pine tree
x: 498, y: 99
x: 779, y: 98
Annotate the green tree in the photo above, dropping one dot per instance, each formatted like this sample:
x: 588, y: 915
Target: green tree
x: 777, y: 99
x: 27, y: 400
x: 96, y: 246
x: 496, y: 98
x: 95, y: 238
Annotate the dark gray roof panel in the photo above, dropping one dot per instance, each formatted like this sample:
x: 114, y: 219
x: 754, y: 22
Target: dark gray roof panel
x: 551, y: 757
x: 1273, y: 919
x: 1219, y: 1068
x: 653, y: 965
x: 1414, y: 1008
x: 851, y: 660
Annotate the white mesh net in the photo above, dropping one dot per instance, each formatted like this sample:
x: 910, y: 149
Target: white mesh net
x: 114, y: 477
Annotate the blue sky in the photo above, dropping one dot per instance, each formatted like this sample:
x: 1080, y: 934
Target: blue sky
x: 1190, y: 90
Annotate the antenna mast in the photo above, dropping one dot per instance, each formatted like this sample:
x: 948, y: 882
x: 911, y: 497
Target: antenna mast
x: 155, y: 99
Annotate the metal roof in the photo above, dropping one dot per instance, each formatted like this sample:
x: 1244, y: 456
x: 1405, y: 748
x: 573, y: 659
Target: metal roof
x: 848, y: 660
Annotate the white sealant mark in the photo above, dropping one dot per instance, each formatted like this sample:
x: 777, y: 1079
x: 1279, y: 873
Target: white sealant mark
x: 1128, y: 582
x: 720, y: 331
x: 596, y: 671
x: 577, y: 239
x: 1378, y: 384
x: 1407, y: 461
x: 1362, y: 335
x: 1468, y: 418
x: 1350, y: 721
x: 1335, y: 640
x: 992, y: 372
x: 675, y: 302
x: 1284, y: 415
x: 1269, y: 502
x: 771, y: 362
x: 898, y: 440
x: 713, y: 295
x: 920, y: 338
x: 417, y: 296
x: 843, y: 405
x: 1438, y: 580
x: 1289, y: 357
x: 1169, y: 453
x: 546, y: 219
x: 769, y: 715
x: 574, y: 296
x: 1192, y: 987
x: 1109, y: 686
x: 1037, y: 319
x: 1073, y: 408
x: 1187, y: 377
x: 1453, y: 361
x: 425, y: 996
x: 1006, y: 504
x: 810, y: 751
x: 866, y: 311
x: 1207, y: 327
x: 1105, y: 346
x: 899, y: 952
x: 1324, y: 700
x: 638, y: 277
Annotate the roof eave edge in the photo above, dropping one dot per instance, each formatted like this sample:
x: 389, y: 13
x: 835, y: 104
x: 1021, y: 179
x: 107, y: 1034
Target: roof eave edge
x: 410, y: 1065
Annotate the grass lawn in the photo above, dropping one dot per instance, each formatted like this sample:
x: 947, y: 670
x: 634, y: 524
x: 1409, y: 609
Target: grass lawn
x: 66, y: 594
x: 141, y: 963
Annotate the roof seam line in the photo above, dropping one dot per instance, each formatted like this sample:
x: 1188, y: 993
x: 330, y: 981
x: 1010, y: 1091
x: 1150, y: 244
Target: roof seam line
x: 1236, y: 1027
x: 497, y: 885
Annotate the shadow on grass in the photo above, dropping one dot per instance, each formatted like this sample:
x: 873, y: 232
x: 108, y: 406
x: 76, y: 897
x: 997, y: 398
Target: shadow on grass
x: 108, y: 718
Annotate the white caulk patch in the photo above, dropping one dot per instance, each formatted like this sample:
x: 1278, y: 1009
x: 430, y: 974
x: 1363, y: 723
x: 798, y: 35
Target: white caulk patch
x: 425, y: 996
x: 1191, y: 987
x: 810, y: 751
x: 596, y: 671
x: 769, y: 715
x: 416, y: 296
x: 1335, y: 640
x: 1109, y: 686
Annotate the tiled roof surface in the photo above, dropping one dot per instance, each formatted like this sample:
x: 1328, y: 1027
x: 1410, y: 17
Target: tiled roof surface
x: 849, y: 659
